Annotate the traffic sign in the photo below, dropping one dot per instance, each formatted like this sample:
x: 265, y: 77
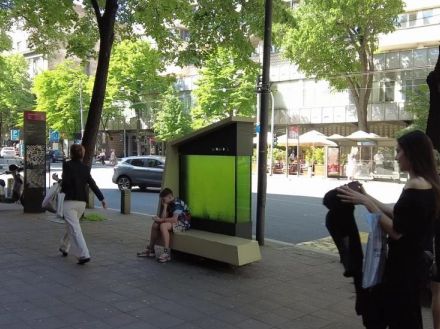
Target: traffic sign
x: 54, y: 136
x: 15, y: 134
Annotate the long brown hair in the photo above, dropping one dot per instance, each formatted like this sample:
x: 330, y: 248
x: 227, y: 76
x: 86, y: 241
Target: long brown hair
x: 419, y: 151
x: 165, y: 192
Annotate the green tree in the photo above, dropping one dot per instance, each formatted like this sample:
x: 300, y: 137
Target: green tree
x: 15, y: 95
x: 80, y: 24
x: 417, y: 103
x: 172, y: 120
x: 136, y: 76
x: 59, y: 92
x: 226, y: 87
x: 335, y: 40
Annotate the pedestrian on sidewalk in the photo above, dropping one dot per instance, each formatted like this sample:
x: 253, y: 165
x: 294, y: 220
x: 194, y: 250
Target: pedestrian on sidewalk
x: 409, y: 226
x: 173, y: 216
x: 75, y: 177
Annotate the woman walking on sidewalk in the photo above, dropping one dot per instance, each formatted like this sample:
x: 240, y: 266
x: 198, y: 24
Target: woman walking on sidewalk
x: 76, y: 176
x: 409, y: 226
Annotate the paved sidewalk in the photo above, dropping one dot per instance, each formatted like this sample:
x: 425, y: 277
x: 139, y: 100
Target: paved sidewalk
x: 291, y: 287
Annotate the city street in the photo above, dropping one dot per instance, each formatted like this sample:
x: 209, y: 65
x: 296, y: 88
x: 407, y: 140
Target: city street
x: 294, y: 210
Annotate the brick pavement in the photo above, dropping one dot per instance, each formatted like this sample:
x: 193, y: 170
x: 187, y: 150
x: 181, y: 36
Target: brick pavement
x: 291, y: 287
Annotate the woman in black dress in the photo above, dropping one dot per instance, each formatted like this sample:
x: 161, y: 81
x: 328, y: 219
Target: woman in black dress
x: 409, y: 226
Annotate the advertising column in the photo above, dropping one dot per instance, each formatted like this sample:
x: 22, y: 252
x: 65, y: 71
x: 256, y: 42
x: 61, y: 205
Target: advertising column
x: 34, y: 161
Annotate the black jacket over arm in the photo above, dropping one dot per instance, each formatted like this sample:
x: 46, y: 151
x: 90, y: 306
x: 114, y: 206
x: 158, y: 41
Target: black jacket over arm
x: 76, y: 176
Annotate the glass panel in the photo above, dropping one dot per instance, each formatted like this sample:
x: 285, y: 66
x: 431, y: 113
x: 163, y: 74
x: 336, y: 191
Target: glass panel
x: 412, y: 19
x: 432, y: 56
x: 428, y: 17
x: 392, y: 61
x: 209, y: 185
x: 406, y: 59
x: 420, y: 57
x: 243, y: 189
x: 379, y: 61
x: 403, y: 20
x: 137, y: 163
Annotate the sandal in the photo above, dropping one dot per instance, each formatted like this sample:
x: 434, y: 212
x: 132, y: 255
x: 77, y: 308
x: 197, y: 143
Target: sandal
x: 146, y: 253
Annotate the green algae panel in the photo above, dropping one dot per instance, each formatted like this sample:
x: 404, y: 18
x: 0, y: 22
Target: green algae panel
x: 243, y: 189
x: 209, y: 185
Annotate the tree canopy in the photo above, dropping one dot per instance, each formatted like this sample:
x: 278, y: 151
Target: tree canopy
x: 136, y: 80
x: 172, y: 120
x: 226, y: 87
x: 15, y: 95
x: 335, y: 40
x: 58, y: 94
x: 79, y: 25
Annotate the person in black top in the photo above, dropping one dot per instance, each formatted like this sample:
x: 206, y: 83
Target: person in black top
x: 76, y: 176
x: 409, y: 226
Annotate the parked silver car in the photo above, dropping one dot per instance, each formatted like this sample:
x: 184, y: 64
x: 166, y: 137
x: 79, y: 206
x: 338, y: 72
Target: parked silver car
x: 142, y: 171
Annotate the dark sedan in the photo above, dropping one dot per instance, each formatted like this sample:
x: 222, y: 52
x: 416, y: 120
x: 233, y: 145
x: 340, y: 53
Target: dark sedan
x: 56, y: 156
x: 142, y: 171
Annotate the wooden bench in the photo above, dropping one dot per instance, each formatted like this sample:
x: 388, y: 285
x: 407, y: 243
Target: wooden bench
x: 224, y: 248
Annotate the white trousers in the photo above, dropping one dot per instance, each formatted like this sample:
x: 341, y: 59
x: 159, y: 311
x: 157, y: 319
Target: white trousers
x: 73, y: 240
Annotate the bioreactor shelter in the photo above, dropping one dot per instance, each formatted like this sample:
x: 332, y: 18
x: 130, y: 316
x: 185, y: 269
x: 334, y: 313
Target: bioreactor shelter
x: 211, y: 170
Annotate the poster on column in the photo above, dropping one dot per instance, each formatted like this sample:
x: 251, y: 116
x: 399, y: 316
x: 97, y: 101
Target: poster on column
x: 34, y: 161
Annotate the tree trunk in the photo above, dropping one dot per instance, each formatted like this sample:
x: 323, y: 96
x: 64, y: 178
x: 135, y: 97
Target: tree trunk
x: 106, y: 23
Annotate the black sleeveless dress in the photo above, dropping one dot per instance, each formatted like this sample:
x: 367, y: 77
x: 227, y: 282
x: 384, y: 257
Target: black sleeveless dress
x: 413, y: 218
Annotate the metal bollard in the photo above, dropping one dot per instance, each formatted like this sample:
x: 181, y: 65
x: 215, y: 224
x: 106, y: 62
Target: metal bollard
x: 9, y: 187
x: 125, y: 202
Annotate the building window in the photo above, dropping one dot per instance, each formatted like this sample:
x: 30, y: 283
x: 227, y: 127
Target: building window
x: 403, y: 21
x: 420, y: 57
x: 432, y: 56
x: 406, y: 59
x: 392, y: 61
x: 428, y: 17
x: 412, y: 19
x: 386, y: 91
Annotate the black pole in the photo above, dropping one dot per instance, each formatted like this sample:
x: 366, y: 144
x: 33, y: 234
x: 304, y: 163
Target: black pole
x: 264, y: 89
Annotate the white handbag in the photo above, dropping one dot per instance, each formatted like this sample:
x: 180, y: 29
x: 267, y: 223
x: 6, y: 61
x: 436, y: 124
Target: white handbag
x: 60, y: 204
x: 375, y: 254
x: 50, y: 200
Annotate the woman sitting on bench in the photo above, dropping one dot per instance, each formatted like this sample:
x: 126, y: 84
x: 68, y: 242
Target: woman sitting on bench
x: 174, y: 217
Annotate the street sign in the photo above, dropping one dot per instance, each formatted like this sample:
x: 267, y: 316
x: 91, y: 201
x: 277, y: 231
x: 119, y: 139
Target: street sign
x: 54, y: 136
x: 15, y: 134
x: 257, y: 128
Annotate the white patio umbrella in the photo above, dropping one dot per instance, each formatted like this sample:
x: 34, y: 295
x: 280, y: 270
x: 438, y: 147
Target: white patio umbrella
x: 315, y: 138
x: 282, y: 141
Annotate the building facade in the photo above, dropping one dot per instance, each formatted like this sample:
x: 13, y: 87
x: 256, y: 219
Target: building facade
x: 403, y: 61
